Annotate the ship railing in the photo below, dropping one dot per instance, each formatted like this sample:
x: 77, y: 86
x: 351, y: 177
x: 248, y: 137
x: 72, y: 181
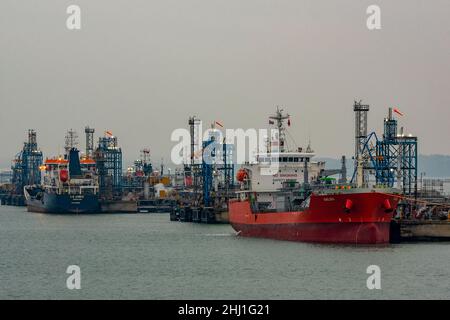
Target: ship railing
x: 83, y: 189
x: 51, y: 188
x: 336, y: 186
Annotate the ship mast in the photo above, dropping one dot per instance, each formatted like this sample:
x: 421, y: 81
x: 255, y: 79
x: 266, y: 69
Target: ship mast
x: 71, y: 141
x: 280, y: 117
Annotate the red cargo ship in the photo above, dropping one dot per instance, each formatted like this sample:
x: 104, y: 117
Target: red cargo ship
x: 288, y: 196
x: 356, y: 216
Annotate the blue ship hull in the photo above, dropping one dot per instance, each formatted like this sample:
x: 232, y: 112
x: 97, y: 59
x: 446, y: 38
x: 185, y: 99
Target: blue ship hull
x: 54, y: 203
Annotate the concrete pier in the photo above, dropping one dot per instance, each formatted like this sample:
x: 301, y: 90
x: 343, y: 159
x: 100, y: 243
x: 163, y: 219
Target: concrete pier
x: 119, y: 206
x: 420, y: 230
x: 12, y: 200
x: 199, y: 215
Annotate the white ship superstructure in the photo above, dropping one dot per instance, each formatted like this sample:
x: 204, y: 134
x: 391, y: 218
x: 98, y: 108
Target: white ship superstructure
x: 273, y: 169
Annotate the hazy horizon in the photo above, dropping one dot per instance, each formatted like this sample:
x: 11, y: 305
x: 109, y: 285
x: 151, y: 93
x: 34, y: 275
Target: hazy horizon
x: 141, y: 68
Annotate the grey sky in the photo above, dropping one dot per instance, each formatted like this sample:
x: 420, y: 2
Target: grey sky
x: 140, y: 68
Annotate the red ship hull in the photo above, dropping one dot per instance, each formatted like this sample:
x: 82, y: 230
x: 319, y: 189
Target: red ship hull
x: 352, y: 218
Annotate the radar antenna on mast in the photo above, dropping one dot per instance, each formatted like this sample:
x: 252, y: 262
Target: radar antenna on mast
x: 279, y: 118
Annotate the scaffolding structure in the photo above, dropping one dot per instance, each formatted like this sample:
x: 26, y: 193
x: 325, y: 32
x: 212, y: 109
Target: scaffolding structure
x: 393, y: 159
x: 209, y: 166
x: 228, y: 165
x: 109, y: 165
x: 5, y: 176
x: 217, y: 168
x: 207, y: 172
x: 25, y: 168
x: 396, y: 157
x: 145, y: 162
x: 434, y: 188
x: 138, y: 175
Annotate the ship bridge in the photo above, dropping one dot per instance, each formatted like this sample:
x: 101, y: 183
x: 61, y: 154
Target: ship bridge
x: 284, y: 157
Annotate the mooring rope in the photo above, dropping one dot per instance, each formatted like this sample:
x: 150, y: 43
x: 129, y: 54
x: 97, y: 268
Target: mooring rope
x: 444, y: 205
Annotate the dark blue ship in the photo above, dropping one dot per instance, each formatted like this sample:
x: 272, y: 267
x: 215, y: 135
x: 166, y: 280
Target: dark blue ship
x: 68, y: 186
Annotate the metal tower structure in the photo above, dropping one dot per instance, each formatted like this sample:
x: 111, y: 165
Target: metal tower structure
x: 207, y: 172
x: 194, y: 129
x: 361, y: 157
x: 396, y: 158
x: 147, y: 167
x: 194, y: 170
x: 89, y: 142
x: 26, y: 164
x: 228, y: 165
x: 217, y: 168
x: 109, y: 165
x: 393, y: 159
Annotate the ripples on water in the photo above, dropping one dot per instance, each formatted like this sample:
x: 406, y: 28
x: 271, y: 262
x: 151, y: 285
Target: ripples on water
x: 145, y: 256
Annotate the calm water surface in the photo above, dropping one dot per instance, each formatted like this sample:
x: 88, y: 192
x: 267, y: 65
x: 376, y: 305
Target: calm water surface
x: 145, y: 256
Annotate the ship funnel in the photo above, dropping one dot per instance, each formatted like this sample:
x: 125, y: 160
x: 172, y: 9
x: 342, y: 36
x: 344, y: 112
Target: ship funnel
x: 74, y: 163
